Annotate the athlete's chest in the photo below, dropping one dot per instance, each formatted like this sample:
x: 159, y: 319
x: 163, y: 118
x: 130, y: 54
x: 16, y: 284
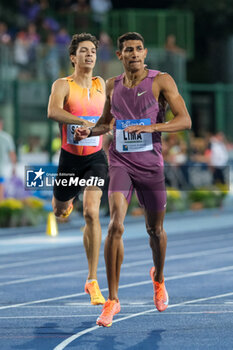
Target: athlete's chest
x: 86, y: 102
x: 136, y: 102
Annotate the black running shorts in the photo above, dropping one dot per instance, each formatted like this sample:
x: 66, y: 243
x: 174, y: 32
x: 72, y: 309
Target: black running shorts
x: 77, y: 172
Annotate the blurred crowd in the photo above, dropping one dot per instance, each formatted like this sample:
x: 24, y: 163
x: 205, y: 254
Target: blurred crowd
x: 38, y: 47
x: 212, y: 149
x: 178, y: 149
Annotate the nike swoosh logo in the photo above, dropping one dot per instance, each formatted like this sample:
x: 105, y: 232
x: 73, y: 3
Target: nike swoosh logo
x: 141, y: 93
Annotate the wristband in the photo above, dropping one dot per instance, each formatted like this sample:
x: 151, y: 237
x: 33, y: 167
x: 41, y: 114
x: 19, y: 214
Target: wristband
x: 90, y: 132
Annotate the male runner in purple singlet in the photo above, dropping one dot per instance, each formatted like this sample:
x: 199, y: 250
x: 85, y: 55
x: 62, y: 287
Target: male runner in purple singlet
x: 137, y: 100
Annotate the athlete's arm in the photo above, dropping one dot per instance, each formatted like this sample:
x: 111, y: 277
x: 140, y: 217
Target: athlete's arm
x: 165, y: 85
x: 169, y: 90
x: 105, y: 123
x: 59, y: 94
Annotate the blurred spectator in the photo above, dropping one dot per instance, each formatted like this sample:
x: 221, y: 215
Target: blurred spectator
x: 175, y: 155
x: 100, y: 8
x: 199, y: 148
x: 175, y: 63
x: 104, y: 53
x: 7, y: 155
x: 171, y: 46
x: 62, y: 37
x: 51, y: 24
x: 218, y: 157
x: 80, y: 6
x: 33, y: 145
x: 30, y: 9
x: 5, y: 37
x: 81, y: 9
x: 44, y: 8
x: 174, y: 149
x: 64, y: 6
x: 63, y: 40
x: 50, y: 58
x: 21, y: 54
x: 33, y: 42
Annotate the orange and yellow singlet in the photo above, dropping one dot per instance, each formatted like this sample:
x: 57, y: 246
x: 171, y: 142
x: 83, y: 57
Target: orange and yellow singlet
x: 86, y: 104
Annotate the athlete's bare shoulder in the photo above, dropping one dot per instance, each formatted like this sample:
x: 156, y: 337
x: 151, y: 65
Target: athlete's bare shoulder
x: 110, y: 86
x: 61, y: 86
x: 102, y: 82
x: 163, y: 79
x: 163, y: 84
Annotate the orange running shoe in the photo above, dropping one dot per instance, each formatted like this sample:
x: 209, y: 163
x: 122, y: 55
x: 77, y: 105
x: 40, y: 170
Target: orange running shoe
x: 160, y: 293
x: 93, y: 289
x: 68, y: 211
x: 111, y: 308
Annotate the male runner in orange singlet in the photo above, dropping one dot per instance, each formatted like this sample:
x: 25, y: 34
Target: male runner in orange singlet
x: 79, y: 100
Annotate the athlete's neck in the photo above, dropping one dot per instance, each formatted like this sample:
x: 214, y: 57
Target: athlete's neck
x: 83, y: 78
x: 132, y: 79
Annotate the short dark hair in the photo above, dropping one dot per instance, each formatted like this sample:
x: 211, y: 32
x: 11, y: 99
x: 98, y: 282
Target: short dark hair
x: 78, y: 38
x: 128, y: 36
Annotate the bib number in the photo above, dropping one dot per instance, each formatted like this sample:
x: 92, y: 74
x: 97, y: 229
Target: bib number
x: 92, y: 141
x: 130, y: 142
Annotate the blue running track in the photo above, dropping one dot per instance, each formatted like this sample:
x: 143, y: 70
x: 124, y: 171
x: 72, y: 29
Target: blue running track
x: 43, y: 305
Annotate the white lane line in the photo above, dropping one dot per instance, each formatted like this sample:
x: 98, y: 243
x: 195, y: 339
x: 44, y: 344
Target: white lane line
x: 129, y: 249
x: 181, y: 276
x: 36, y: 240
x: 69, y: 340
x: 39, y: 261
x: 226, y: 304
x: 40, y: 278
x: 124, y: 265
x: 125, y: 305
x: 57, y: 316
x: 122, y: 314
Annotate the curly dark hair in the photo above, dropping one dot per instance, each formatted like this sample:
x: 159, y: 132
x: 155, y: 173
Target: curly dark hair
x: 78, y: 38
x: 128, y: 36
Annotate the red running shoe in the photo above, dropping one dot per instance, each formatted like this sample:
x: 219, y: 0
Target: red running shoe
x: 111, y: 308
x: 161, y: 298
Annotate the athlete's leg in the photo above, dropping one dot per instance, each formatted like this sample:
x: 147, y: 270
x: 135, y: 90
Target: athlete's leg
x: 60, y: 208
x: 114, y: 249
x: 158, y: 241
x: 92, y: 230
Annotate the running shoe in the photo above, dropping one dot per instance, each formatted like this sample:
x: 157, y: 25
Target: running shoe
x: 160, y: 293
x: 111, y: 308
x: 93, y: 289
x: 67, y: 212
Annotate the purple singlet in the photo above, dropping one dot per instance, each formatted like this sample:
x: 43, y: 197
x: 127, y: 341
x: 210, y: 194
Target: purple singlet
x: 136, y: 103
x: 136, y: 161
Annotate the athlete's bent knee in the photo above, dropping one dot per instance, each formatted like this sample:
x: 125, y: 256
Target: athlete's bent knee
x: 156, y: 231
x: 115, y: 229
x: 90, y: 214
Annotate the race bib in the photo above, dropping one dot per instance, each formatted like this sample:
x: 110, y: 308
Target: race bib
x: 126, y: 142
x: 92, y: 141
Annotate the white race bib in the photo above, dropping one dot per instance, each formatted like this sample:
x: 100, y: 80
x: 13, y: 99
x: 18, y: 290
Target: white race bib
x: 126, y: 142
x: 91, y: 141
